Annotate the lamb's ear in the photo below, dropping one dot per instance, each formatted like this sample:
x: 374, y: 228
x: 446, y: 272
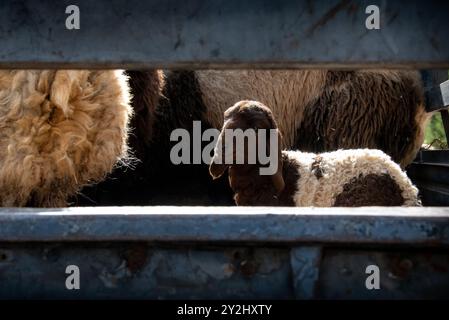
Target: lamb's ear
x: 217, y: 170
x: 217, y: 166
x: 278, y: 178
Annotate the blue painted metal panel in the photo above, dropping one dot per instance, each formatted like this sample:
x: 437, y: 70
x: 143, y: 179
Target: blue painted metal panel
x: 136, y: 270
x: 404, y: 274
x: 139, y: 271
x: 305, y: 262
x: 224, y: 34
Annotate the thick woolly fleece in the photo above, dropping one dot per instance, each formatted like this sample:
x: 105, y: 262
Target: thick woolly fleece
x: 59, y: 130
x: 323, y: 177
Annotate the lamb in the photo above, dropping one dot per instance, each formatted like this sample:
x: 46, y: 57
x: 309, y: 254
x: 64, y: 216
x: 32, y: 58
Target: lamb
x: 60, y: 130
x: 359, y: 177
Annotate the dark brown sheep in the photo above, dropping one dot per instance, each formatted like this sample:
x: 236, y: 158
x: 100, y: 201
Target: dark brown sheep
x: 366, y: 109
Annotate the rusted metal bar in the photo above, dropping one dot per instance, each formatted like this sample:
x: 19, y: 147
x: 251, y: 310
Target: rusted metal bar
x: 137, y: 34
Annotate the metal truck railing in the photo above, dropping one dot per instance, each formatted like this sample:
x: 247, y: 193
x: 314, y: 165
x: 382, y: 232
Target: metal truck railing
x: 219, y: 252
x: 210, y: 252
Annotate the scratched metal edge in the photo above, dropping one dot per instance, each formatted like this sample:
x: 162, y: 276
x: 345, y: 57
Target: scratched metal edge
x: 337, y: 226
x: 222, y: 65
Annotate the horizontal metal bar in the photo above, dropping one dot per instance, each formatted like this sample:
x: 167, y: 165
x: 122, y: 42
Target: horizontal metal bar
x: 376, y: 225
x: 430, y: 172
x: 433, y: 156
x: 433, y: 194
x: 224, y: 34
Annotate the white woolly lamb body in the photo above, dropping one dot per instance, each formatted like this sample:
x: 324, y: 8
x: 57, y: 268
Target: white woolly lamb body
x: 339, y: 168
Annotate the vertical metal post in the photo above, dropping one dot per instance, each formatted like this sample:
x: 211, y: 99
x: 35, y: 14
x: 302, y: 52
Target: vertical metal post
x: 305, y: 264
x: 436, y: 92
x: 445, y: 118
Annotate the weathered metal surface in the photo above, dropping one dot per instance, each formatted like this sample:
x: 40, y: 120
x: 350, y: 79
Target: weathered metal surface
x: 403, y: 274
x: 223, y: 34
x: 142, y: 271
x: 430, y: 173
x: 139, y: 271
x: 420, y: 226
x: 305, y: 263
